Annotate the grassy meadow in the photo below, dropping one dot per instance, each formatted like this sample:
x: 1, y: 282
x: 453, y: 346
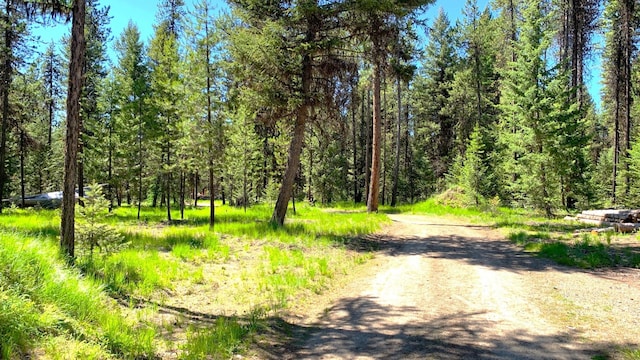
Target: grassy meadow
x: 180, y: 290
x: 175, y: 288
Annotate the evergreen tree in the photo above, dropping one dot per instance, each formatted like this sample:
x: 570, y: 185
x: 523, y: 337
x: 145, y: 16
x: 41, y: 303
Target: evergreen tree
x: 620, y: 40
x: 474, y: 176
x: 166, y: 86
x: 132, y: 75
x: 527, y: 122
x: 97, y: 33
x: 431, y: 97
x: 205, y: 85
x: 13, y: 32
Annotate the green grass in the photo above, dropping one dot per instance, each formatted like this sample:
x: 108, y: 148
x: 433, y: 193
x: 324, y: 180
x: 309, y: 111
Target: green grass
x: 630, y: 354
x: 220, y: 340
x: 67, y: 313
x: 589, y: 251
x: 41, y: 300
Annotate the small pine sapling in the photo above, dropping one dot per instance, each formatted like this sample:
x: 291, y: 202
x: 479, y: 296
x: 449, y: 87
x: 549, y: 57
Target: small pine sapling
x: 91, y: 232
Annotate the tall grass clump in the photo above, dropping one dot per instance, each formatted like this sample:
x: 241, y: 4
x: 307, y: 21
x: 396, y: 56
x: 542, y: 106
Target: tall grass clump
x: 631, y: 354
x: 40, y: 298
x: 221, y: 340
x: 134, y: 272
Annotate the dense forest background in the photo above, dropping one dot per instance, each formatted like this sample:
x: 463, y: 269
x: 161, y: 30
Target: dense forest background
x: 493, y: 106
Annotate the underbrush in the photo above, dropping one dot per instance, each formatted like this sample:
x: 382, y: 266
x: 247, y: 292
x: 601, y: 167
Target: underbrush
x: 45, y: 306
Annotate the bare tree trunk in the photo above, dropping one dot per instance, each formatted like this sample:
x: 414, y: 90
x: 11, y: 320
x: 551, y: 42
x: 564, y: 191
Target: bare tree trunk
x: 355, y: 146
x: 384, y: 141
x: 212, y: 208
x: 222, y: 192
x: 22, y: 150
x: 4, y: 89
x: 67, y: 224
x: 140, y: 158
x: 81, y: 163
x: 628, y: 14
x: 295, y: 147
x: 182, y: 193
x: 367, y: 148
x: 374, y: 183
x: 110, y: 170
x: 168, y: 175
x: 310, y: 180
x: 396, y: 165
x: 196, y: 178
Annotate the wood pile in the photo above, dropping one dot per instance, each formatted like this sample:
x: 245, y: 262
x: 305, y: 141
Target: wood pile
x: 620, y: 220
x: 610, y: 216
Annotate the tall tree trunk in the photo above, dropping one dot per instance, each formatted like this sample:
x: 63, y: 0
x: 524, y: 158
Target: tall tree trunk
x: 22, y: 183
x: 310, y: 180
x: 183, y: 180
x: 110, y: 170
x: 67, y: 224
x: 168, y: 175
x: 396, y: 164
x: 374, y: 183
x: 50, y: 102
x: 245, y: 196
x: 367, y: 148
x: 295, y: 148
x: 81, y: 163
x: 222, y: 192
x: 356, y: 177
x: 4, y: 90
x: 212, y: 207
x: 196, y: 183
x: 617, y: 104
x: 140, y: 158
x: 628, y: 14
x: 384, y: 140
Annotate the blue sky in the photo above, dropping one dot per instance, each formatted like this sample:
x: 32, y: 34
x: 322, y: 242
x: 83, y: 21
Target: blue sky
x: 143, y: 13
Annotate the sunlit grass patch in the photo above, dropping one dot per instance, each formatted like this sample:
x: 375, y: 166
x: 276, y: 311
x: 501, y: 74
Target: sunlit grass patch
x: 247, y: 260
x: 135, y: 272
x: 31, y: 222
x: 631, y: 354
x: 42, y: 301
x: 589, y: 251
x: 220, y: 340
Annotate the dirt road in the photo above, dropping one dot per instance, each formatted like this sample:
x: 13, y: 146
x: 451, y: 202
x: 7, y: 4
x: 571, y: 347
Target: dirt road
x: 448, y: 290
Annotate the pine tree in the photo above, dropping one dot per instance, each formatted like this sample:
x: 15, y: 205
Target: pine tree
x: 206, y: 87
x: 132, y: 75
x: 620, y: 40
x: 432, y: 92
x: 166, y: 85
x: 97, y: 33
x: 474, y: 176
x: 526, y: 124
x: 76, y: 71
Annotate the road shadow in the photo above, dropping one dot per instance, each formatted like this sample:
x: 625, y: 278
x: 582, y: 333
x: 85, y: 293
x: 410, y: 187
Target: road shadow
x: 361, y: 329
x: 496, y: 254
x: 473, y: 244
